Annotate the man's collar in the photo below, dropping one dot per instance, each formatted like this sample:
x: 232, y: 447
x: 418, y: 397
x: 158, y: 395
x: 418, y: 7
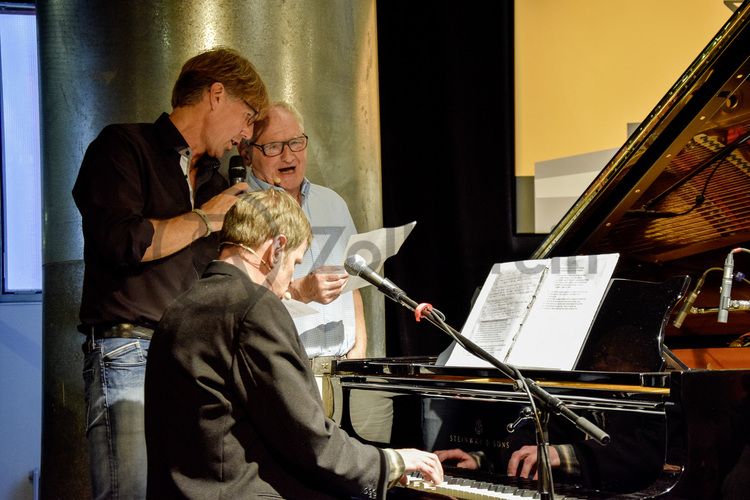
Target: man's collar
x: 168, y: 135
x: 171, y: 139
x: 220, y: 266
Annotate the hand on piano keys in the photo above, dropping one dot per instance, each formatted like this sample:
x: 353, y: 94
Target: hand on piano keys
x: 459, y: 457
x: 457, y: 485
x: 425, y: 463
x: 523, y: 461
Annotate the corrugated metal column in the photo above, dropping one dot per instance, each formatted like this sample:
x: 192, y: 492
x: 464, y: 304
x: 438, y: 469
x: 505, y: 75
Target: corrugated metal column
x: 116, y: 62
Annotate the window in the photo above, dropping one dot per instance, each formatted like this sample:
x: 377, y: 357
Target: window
x: 20, y: 174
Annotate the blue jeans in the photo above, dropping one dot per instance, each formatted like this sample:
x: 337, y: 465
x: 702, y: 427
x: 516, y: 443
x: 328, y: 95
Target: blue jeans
x: 114, y: 372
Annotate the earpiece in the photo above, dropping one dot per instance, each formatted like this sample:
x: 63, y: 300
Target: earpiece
x: 277, y: 247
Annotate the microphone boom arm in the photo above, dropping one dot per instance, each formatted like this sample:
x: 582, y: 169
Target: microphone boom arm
x: 357, y: 266
x: 551, y: 402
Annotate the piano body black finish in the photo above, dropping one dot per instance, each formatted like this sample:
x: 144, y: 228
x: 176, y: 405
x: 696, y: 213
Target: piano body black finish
x: 696, y: 421
x: 673, y: 201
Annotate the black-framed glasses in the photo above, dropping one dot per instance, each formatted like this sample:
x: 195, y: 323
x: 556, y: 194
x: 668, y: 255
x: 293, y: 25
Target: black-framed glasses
x: 251, y: 115
x: 295, y: 144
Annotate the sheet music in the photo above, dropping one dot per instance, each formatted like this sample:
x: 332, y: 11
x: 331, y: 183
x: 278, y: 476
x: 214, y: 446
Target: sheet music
x: 505, y: 296
x: 537, y: 313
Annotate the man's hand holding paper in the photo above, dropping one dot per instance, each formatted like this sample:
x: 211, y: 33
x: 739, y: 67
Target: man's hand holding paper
x: 325, y: 283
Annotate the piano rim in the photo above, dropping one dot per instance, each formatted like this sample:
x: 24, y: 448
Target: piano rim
x: 577, y: 402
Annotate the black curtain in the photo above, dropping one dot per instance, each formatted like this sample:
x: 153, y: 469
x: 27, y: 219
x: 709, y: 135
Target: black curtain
x: 447, y: 126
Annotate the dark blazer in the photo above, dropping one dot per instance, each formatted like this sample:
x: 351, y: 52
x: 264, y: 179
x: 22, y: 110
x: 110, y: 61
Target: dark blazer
x: 232, y: 409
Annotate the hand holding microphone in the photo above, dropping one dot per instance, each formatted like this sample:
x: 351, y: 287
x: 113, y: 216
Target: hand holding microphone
x: 237, y: 170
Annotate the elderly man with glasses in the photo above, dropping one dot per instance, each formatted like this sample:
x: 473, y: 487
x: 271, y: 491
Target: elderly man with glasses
x: 277, y: 155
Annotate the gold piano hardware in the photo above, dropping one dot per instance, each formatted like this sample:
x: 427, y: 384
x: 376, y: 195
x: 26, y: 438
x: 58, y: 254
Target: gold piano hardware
x: 582, y: 385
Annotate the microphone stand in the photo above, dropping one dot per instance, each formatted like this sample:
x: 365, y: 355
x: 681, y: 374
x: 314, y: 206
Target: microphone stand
x: 549, y: 403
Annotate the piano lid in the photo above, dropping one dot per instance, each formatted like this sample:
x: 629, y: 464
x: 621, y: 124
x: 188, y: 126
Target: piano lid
x: 680, y: 186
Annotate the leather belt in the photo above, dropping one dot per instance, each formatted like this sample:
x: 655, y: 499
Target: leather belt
x: 324, y: 365
x: 118, y: 330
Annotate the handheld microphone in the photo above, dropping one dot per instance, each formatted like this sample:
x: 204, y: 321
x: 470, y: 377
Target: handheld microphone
x: 237, y: 171
x: 726, y: 288
x: 356, y: 266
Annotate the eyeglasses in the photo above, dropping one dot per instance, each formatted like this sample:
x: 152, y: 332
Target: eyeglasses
x: 276, y: 148
x: 251, y: 115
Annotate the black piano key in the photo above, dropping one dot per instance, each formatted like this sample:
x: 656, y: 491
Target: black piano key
x: 508, y: 489
x: 499, y: 484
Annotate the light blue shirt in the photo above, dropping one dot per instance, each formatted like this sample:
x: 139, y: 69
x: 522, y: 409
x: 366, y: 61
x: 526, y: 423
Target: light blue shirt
x: 330, y: 332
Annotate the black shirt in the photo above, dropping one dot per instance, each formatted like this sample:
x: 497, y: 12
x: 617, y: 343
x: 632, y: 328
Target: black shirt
x: 132, y: 173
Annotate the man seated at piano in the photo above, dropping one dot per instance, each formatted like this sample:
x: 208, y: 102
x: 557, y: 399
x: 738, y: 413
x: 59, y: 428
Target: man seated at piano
x: 631, y: 462
x: 231, y: 409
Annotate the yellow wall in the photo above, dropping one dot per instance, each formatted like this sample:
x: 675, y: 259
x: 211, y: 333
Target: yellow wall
x: 587, y: 68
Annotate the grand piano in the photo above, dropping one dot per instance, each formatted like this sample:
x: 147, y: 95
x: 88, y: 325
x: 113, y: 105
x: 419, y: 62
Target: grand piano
x: 674, y: 394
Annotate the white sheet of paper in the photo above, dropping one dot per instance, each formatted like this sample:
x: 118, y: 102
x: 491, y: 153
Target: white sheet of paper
x: 565, y: 308
x: 375, y: 247
x: 537, y: 314
x: 499, y: 311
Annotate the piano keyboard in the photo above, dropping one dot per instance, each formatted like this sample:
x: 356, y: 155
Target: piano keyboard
x: 469, y: 489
